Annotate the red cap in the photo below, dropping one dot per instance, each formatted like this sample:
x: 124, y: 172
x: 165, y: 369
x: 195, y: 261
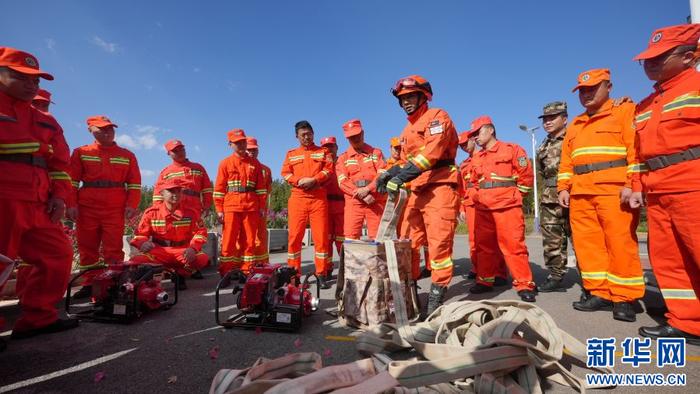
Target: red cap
x: 170, y: 183
x: 21, y: 62
x: 99, y: 121
x: 252, y: 143
x: 352, y: 127
x: 667, y: 38
x: 236, y: 135
x: 592, y: 77
x: 463, y: 137
x: 394, y: 142
x: 43, y: 95
x: 172, y: 144
x: 477, y: 123
x: 327, y: 141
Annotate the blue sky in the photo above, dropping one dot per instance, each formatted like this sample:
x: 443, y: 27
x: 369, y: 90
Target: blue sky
x: 194, y: 70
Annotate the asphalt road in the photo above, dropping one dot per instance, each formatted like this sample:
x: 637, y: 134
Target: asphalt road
x: 180, y: 350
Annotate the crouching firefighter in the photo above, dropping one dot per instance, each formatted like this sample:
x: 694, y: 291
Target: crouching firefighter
x: 429, y: 148
x: 172, y: 235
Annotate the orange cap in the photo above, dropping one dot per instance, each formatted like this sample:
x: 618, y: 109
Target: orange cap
x: 252, y: 143
x: 171, y: 183
x: 21, y: 62
x: 172, y: 144
x: 476, y: 125
x: 463, y: 137
x: 592, y: 77
x: 100, y: 121
x: 43, y: 95
x: 328, y: 141
x: 236, y: 135
x: 352, y: 128
x: 667, y: 38
x: 394, y: 142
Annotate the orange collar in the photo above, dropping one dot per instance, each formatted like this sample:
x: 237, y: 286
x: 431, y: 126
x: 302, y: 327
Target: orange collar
x: 413, y: 118
x: 671, y: 83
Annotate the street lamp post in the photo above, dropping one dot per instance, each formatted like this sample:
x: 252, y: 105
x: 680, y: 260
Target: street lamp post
x: 531, y: 131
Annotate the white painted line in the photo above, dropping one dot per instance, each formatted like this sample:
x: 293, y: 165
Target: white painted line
x: 196, y: 332
x: 223, y: 308
x: 52, y: 375
x: 213, y: 293
x: 8, y: 303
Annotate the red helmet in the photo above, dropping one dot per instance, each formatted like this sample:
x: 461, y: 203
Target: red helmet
x: 412, y: 83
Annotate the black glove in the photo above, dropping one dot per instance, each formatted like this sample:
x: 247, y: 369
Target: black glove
x: 407, y: 173
x: 384, y: 178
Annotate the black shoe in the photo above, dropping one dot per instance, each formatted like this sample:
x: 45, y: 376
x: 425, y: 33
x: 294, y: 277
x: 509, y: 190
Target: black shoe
x: 480, y: 288
x: 57, y: 326
x: 322, y: 282
x: 329, y: 276
x: 3, y: 345
x: 498, y: 282
x: 666, y: 331
x: 181, y: 284
x: 624, y: 311
x: 471, y: 275
x: 84, y: 292
x: 435, y: 298
x: 593, y: 303
x: 551, y: 285
x: 527, y: 295
x: 197, y: 275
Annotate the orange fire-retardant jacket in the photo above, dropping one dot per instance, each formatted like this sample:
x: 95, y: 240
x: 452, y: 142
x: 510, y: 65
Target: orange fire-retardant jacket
x: 266, y: 186
x: 24, y: 130
x: 429, y: 141
x: 96, y: 163
x: 606, y: 136
x: 668, y: 121
x: 180, y: 228
x: 503, y: 162
x: 465, y: 171
x: 240, y: 186
x: 308, y: 162
x: 359, y: 167
x: 196, y: 185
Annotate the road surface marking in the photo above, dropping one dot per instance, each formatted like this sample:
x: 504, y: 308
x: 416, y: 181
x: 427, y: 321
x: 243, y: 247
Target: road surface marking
x: 53, y: 375
x: 340, y: 338
x: 195, y: 332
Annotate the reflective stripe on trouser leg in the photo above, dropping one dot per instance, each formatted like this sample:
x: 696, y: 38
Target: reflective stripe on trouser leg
x: 510, y: 234
x: 674, y: 251
x: 318, y: 218
x: 487, y: 251
x: 298, y: 218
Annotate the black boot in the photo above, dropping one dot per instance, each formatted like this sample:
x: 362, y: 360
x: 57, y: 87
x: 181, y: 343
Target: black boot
x: 592, y: 304
x: 480, y: 288
x: 499, y: 281
x: 624, y: 311
x: 667, y: 331
x: 197, y: 275
x: 551, y: 285
x: 57, y: 326
x: 84, y: 292
x: 435, y: 298
x: 322, y: 282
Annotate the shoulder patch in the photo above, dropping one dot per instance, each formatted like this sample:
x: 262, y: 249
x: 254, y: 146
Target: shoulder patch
x: 435, y: 127
x: 522, y: 161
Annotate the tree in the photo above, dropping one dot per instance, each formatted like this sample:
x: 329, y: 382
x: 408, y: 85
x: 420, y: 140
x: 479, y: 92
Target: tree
x: 281, y: 191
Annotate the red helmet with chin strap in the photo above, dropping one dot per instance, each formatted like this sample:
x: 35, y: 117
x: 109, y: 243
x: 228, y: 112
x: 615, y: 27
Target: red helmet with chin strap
x: 412, y: 83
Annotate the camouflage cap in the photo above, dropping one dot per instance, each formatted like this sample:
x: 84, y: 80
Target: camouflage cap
x: 554, y: 108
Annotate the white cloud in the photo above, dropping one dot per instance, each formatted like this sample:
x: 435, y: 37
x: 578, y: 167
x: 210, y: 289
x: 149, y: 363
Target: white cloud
x: 51, y: 44
x: 147, y: 173
x: 197, y: 148
x: 143, y: 138
x: 109, y: 47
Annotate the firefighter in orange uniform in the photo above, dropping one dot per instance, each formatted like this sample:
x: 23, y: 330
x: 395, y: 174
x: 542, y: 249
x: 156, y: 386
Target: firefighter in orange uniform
x: 196, y: 193
x: 110, y: 190
x: 307, y: 169
x: 357, y: 170
x: 172, y: 234
x: 501, y: 174
x: 667, y: 125
x: 34, y: 161
x: 263, y: 190
x: 598, y: 172
x: 42, y: 100
x: 429, y: 148
x: 468, y: 144
x: 336, y: 208
x: 238, y: 205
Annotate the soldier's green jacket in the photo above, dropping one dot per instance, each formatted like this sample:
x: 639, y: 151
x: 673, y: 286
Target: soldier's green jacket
x: 548, y: 157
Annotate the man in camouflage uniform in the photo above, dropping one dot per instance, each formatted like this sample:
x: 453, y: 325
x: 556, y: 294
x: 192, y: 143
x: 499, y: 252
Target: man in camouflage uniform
x: 554, y: 219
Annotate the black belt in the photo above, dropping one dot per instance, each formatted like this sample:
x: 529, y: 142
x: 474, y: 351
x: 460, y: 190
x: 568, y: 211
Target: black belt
x: 362, y: 183
x: 663, y: 161
x: 443, y: 163
x: 190, y: 192
x: 496, y: 184
x: 550, y: 182
x: 335, y: 197
x: 240, y: 189
x: 601, y: 165
x: 103, y: 184
x: 25, y: 158
x: 167, y: 242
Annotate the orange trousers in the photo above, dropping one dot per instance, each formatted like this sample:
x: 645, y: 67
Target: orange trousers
x: 238, y: 241
x: 303, y: 210
x: 336, y: 229
x: 173, y: 258
x: 357, y: 212
x: 402, y: 230
x: 470, y: 216
x: 604, y: 233
x: 500, y: 234
x: 674, y: 251
x: 432, y: 217
x: 261, y: 254
x: 99, y: 227
x: 26, y: 231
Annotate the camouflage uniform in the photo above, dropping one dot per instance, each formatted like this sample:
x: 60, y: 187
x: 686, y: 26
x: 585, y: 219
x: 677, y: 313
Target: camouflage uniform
x: 554, y: 219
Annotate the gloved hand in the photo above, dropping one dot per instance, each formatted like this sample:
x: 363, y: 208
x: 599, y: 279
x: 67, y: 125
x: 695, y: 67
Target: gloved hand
x: 385, y: 177
x: 407, y: 173
x: 394, y: 184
